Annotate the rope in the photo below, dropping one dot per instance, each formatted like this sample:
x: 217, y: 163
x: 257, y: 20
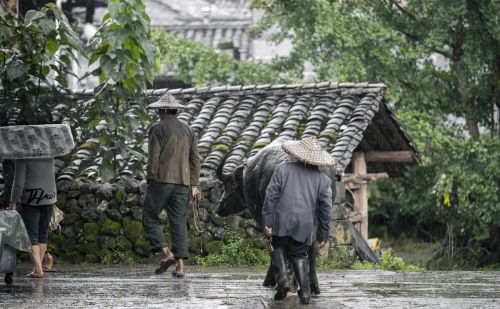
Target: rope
x: 199, y: 224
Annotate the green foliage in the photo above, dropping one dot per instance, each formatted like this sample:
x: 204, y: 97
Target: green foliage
x: 236, y: 251
x: 388, y: 261
x: 198, y: 65
x: 127, y: 60
x: 36, y: 57
x: 328, y: 264
x: 122, y: 257
x: 385, y: 41
x: 457, y: 183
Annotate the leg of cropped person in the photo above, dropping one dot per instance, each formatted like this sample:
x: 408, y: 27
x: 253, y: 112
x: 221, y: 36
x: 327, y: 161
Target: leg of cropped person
x: 43, y: 229
x: 31, y: 218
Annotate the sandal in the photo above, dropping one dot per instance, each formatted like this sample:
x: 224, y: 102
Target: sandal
x: 33, y: 275
x: 164, y: 265
x: 179, y: 274
x: 48, y: 270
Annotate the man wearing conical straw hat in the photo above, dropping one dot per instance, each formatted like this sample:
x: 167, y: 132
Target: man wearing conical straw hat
x: 173, y: 172
x: 296, y: 211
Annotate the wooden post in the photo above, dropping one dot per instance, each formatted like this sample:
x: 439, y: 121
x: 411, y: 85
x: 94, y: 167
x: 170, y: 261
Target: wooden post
x: 361, y: 195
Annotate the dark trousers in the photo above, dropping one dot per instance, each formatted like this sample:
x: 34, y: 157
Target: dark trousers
x: 174, y: 199
x: 37, y: 219
x: 292, y: 247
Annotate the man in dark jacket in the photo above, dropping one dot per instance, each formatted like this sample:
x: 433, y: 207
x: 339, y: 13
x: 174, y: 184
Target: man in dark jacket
x: 296, y: 211
x: 173, y: 175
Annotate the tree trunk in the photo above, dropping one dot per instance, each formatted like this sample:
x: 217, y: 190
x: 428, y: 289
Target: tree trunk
x: 458, y: 38
x: 494, y: 246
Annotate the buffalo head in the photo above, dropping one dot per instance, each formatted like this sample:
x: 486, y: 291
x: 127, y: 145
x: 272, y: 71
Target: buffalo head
x: 233, y: 199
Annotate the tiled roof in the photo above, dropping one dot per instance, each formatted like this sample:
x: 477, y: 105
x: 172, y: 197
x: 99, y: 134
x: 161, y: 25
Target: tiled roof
x: 207, y: 22
x: 215, y: 34
x: 243, y: 119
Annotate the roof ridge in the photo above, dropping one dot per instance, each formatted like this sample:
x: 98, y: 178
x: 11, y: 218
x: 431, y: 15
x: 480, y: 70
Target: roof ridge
x: 264, y: 88
x: 349, y: 87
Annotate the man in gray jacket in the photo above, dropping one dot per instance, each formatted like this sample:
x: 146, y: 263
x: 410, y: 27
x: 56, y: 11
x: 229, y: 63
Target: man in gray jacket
x: 296, y: 211
x: 173, y: 172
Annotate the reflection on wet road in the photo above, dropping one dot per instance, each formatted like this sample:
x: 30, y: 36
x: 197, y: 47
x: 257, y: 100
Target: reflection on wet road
x: 75, y: 286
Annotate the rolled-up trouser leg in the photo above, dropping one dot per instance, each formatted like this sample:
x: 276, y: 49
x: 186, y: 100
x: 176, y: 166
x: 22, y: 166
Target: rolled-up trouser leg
x: 280, y: 272
x: 157, y: 194
x: 177, y: 208
x: 301, y: 267
x: 312, y: 253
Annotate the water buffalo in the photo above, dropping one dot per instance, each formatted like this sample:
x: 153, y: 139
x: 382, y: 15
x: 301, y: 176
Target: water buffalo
x: 246, y: 187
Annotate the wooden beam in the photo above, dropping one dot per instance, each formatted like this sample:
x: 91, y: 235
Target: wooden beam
x: 361, y: 196
x: 390, y: 156
x: 367, y: 177
x: 355, y: 217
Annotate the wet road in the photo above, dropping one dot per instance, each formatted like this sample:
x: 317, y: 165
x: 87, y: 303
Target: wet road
x: 136, y: 287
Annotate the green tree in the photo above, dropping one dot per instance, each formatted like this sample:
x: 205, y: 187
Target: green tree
x: 36, y: 57
x: 126, y: 61
x: 393, y: 41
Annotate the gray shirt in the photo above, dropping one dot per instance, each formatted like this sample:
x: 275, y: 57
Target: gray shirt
x: 298, y: 203
x: 34, y: 182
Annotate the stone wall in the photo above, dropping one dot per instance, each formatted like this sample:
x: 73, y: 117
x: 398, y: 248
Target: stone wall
x: 102, y: 223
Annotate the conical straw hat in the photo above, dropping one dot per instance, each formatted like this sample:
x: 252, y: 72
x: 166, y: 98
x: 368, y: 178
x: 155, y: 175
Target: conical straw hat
x: 309, y: 151
x: 167, y: 101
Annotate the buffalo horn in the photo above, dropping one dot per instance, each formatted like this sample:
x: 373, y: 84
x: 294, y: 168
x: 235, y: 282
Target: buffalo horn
x: 220, y: 175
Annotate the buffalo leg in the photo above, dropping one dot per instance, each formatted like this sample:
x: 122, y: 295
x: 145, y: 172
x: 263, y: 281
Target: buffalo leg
x: 312, y: 252
x: 270, y: 280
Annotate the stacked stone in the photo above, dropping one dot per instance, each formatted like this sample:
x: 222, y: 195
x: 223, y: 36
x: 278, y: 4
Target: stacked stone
x: 102, y: 222
x: 99, y: 221
x: 340, y: 248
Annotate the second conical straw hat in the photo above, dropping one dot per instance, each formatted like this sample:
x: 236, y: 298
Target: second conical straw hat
x: 309, y: 150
